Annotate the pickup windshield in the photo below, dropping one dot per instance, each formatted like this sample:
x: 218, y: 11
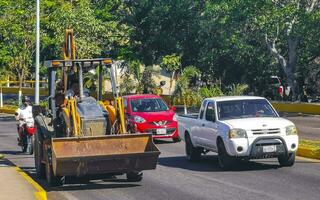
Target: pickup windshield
x: 148, y: 105
x: 237, y: 109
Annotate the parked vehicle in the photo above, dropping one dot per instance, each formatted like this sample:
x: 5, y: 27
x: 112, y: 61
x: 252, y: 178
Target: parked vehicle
x: 27, y: 137
x: 148, y: 113
x: 274, y: 89
x: 241, y: 127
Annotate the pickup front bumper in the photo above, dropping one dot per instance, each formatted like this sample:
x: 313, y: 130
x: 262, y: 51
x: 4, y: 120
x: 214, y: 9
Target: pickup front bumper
x: 262, y: 147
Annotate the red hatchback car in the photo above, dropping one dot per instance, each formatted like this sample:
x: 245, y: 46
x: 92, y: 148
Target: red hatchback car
x: 148, y: 113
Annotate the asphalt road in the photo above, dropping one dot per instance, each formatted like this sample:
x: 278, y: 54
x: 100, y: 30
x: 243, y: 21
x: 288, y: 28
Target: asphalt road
x: 176, y: 178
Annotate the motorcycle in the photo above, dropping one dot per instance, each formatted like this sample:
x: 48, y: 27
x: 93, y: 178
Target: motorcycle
x: 27, y: 136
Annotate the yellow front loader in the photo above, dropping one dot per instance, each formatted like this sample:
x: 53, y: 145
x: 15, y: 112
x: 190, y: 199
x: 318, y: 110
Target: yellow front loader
x: 82, y: 135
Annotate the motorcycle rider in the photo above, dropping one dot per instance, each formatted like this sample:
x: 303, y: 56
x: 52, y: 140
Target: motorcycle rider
x: 24, y: 115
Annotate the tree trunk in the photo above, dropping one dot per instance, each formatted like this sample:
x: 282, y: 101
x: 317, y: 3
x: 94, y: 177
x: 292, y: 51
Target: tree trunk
x: 289, y: 65
x: 171, y: 80
x: 185, y: 106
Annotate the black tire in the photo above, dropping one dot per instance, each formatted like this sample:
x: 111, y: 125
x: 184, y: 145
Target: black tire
x: 225, y: 161
x: 24, y: 146
x: 134, y: 176
x: 38, y: 152
x: 30, y: 144
x: 193, y: 153
x: 175, y: 140
x: 287, y: 160
x: 52, y: 180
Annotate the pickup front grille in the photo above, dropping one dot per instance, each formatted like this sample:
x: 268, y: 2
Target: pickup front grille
x: 265, y: 131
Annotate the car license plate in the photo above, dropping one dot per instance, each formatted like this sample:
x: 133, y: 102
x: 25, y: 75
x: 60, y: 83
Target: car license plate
x: 269, y: 149
x: 161, y: 131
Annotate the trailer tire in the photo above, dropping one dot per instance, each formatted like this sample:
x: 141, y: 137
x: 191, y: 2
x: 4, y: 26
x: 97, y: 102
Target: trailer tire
x: 134, y: 176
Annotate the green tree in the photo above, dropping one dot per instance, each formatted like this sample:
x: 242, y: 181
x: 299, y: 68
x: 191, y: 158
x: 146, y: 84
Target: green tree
x: 171, y: 63
x: 183, y: 88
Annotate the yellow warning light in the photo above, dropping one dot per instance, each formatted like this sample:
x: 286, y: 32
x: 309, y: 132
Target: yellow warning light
x: 55, y: 63
x: 107, y: 61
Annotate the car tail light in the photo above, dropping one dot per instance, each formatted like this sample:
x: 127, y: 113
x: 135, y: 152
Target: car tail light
x: 280, y: 90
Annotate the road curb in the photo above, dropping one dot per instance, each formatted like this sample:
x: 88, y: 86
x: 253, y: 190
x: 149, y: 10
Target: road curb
x: 41, y: 193
x: 308, y: 152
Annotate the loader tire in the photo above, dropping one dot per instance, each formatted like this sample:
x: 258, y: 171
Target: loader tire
x: 52, y: 180
x: 134, y: 176
x: 38, y: 153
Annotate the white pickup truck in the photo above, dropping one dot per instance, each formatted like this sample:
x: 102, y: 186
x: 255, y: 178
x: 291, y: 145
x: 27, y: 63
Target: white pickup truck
x: 239, y: 127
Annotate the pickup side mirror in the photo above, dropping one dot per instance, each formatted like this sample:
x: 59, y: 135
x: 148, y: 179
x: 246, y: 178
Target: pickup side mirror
x: 173, y: 108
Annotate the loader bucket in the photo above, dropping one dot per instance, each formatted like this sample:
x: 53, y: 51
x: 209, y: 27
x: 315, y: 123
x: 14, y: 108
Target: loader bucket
x: 103, y: 154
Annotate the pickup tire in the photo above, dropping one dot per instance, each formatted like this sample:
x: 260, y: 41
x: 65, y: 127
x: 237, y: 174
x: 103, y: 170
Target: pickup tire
x: 193, y: 153
x: 225, y: 161
x: 287, y: 160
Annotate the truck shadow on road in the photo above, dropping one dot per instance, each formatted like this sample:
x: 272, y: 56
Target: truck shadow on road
x: 76, y: 184
x: 209, y: 163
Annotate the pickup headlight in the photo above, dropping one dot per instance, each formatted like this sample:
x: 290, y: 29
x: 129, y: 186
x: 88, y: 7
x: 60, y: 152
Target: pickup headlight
x: 291, y: 130
x: 175, y: 117
x: 139, y: 119
x: 237, y: 133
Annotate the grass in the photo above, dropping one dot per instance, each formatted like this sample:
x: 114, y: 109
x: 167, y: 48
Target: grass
x: 310, y: 144
x: 9, y: 107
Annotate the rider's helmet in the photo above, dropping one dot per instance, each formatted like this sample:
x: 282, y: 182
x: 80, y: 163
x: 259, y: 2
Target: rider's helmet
x: 26, y: 99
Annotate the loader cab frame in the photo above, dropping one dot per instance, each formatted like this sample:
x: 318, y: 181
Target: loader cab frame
x: 77, y: 66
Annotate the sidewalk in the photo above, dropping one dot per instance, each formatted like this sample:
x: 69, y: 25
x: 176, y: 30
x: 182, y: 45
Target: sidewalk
x: 13, y: 186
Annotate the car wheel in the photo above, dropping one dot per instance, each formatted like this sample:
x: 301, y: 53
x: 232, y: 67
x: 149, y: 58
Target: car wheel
x: 175, y: 140
x: 287, y: 160
x: 30, y: 145
x: 193, y: 153
x: 134, y: 176
x: 225, y: 161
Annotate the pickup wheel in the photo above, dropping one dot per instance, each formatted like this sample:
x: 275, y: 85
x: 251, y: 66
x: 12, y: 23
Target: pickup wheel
x: 225, y: 161
x: 193, y: 153
x: 287, y: 160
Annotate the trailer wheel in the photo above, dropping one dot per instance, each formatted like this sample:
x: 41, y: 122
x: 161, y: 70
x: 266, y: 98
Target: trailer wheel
x: 40, y: 167
x: 134, y: 176
x: 51, y: 178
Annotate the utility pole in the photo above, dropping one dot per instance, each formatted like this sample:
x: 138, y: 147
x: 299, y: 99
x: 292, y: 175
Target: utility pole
x: 37, y: 54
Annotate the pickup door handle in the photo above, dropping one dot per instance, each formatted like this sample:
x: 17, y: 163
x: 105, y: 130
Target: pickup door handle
x: 203, y: 125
